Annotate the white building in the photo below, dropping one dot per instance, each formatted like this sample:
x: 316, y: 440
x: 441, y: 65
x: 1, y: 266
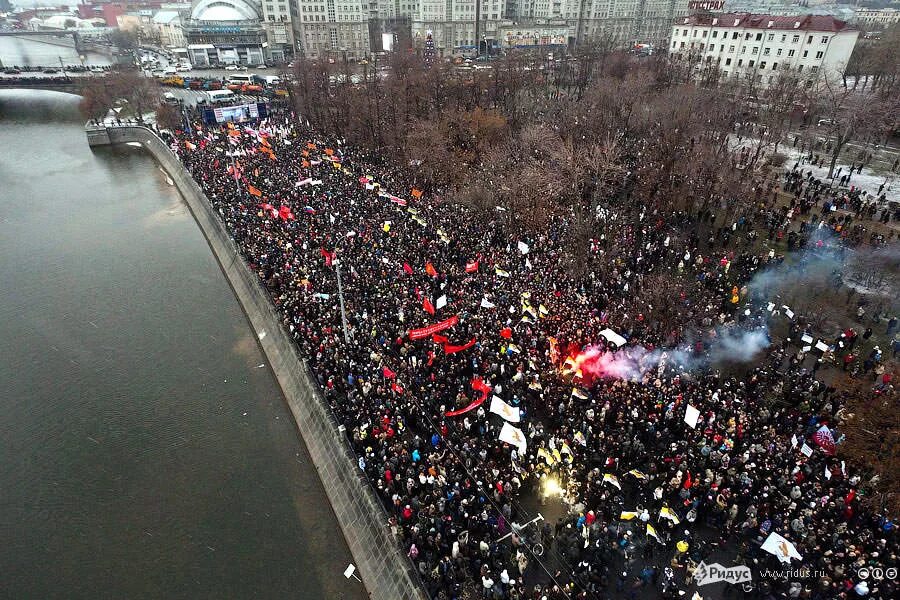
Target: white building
x: 168, y: 24
x: 452, y: 23
x: 277, y: 20
x: 333, y: 28
x: 758, y: 46
x: 878, y: 19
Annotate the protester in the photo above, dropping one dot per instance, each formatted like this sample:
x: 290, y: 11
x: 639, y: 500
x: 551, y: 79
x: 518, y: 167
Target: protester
x: 604, y: 426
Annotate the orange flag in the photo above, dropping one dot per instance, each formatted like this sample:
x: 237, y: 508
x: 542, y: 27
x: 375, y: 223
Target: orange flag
x: 429, y: 268
x: 416, y: 193
x: 329, y: 151
x: 305, y: 164
x: 310, y: 145
x: 254, y: 191
x: 306, y: 153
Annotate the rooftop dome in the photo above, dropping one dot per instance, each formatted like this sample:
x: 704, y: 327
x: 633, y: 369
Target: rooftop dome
x: 225, y: 10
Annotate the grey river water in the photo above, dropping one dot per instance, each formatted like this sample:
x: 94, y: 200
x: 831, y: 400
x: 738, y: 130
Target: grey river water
x: 27, y: 53
x: 143, y: 452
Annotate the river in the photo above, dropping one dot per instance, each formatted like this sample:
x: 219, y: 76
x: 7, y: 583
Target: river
x: 28, y: 53
x: 147, y: 451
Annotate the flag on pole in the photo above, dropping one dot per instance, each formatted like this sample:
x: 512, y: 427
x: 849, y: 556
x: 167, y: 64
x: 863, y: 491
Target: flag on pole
x: 506, y: 333
x: 825, y: 440
x: 612, y: 479
x: 407, y: 268
x: 388, y: 374
x: 627, y: 515
x: 472, y: 267
x: 487, y: 304
x: 667, y: 513
x: 441, y: 302
x: 613, y: 337
x: 416, y: 193
x: 253, y: 190
x: 514, y: 436
x: 523, y: 247
x: 637, y: 474
x: 510, y: 413
x: 429, y: 268
x: 579, y: 393
x: 189, y: 145
x: 651, y: 531
x: 427, y: 306
x: 781, y: 548
x: 500, y: 272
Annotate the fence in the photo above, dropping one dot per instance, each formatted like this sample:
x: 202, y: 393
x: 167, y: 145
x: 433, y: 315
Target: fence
x: 386, y: 573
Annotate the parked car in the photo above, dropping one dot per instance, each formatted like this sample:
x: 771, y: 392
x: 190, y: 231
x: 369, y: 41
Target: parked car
x: 50, y: 71
x: 231, y: 67
x: 261, y: 67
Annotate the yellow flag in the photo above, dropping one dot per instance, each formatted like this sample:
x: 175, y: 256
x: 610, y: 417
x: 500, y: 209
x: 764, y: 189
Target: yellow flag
x: 627, y: 515
x: 652, y: 531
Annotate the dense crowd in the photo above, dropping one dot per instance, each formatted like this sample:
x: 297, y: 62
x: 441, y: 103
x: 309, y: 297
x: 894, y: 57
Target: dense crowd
x: 650, y: 495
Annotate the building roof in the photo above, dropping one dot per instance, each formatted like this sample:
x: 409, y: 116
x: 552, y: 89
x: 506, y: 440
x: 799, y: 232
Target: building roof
x: 164, y: 17
x: 762, y: 21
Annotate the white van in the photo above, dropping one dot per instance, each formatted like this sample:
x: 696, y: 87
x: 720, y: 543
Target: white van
x: 272, y: 80
x: 240, y: 79
x: 220, y: 96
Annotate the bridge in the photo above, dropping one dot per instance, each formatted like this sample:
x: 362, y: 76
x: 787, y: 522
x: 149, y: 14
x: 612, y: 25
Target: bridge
x: 68, y: 85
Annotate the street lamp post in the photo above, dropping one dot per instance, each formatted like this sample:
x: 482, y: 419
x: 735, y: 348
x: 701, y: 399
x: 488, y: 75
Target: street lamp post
x: 337, y: 269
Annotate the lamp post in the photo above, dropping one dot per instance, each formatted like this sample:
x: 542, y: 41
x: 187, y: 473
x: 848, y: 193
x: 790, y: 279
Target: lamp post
x: 337, y: 269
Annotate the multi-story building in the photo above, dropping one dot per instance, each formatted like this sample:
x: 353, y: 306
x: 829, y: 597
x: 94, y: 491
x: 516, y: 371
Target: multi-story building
x: 458, y: 25
x: 225, y: 32
x: 878, y: 19
x: 756, y: 47
x: 277, y: 20
x: 334, y: 29
x: 168, y: 25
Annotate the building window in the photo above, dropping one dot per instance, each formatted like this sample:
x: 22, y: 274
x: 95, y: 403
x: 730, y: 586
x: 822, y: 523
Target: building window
x: 740, y: 62
x: 766, y: 51
x: 774, y: 66
x: 778, y: 52
x: 805, y: 53
x: 727, y: 62
x: 696, y: 31
x: 796, y: 39
x: 771, y: 36
x: 755, y: 49
x: 790, y: 53
x: 758, y: 37
x: 751, y: 63
x: 815, y: 68
x: 703, y: 34
x: 747, y: 37
x: 674, y: 44
x: 743, y: 49
x: 783, y: 39
x: 716, y: 34
x: 800, y: 69
x: 824, y: 39
x: 731, y: 49
x: 809, y: 40
x: 762, y: 65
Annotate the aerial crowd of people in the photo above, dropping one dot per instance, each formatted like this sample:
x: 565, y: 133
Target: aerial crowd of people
x: 483, y: 369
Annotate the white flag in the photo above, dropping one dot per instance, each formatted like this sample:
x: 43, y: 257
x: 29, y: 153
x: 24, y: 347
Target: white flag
x: 514, y: 436
x: 794, y: 441
x: 780, y: 547
x: 510, y: 413
x: 441, y: 302
x: 523, y: 248
x: 613, y: 337
x: 827, y: 472
x: 806, y: 450
x: 691, y: 416
x: 486, y: 304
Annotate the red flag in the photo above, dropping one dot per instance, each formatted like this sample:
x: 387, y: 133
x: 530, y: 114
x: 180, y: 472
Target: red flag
x: 471, y: 267
x: 285, y: 213
x: 268, y: 208
x: 430, y: 357
x: 396, y: 388
x: 506, y: 332
x: 388, y: 373
x: 329, y: 256
x: 451, y: 349
x: 253, y: 190
x: 439, y: 339
x: 479, y: 385
x: 407, y: 268
x: 428, y: 306
x: 429, y: 268
x: 471, y: 406
x: 849, y: 497
x: 688, y: 482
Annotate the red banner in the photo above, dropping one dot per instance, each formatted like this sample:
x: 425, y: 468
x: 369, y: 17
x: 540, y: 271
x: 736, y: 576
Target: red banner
x: 450, y: 349
x: 472, y: 405
x: 424, y: 332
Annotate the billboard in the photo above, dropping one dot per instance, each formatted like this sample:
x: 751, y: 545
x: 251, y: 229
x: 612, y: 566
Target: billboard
x: 235, y: 114
x: 387, y: 41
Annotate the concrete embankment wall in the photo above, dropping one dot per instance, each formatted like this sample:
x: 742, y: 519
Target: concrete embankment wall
x: 386, y: 573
